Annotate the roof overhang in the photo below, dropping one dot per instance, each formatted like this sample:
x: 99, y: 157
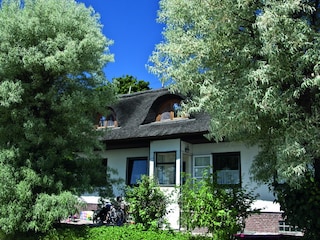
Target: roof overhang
x: 142, y: 142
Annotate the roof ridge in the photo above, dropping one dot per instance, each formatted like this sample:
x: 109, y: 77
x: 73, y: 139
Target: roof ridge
x: 142, y: 92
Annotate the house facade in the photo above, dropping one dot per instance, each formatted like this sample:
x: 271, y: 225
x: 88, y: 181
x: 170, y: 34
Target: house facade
x: 146, y: 134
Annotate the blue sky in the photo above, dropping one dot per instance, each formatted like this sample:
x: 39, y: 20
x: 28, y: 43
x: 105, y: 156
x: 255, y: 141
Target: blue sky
x: 133, y: 28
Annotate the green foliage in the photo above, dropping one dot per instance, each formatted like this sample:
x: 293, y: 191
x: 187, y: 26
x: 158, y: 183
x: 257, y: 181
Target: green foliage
x: 51, y: 208
x: 51, y: 57
x: 10, y: 92
x: 206, y: 204
x: 147, y: 202
x: 134, y: 232
x: 97, y: 233
x: 301, y: 207
x: 127, y: 84
x: 254, y: 67
x: 68, y: 232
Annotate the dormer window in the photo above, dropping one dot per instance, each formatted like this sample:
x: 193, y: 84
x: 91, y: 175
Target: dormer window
x: 170, y: 110
x: 111, y: 121
x: 108, y: 120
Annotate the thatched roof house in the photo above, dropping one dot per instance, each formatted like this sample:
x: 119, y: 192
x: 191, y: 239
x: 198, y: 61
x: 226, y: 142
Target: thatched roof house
x: 145, y: 134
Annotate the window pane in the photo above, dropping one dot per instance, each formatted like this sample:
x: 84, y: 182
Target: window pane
x: 166, y: 168
x: 227, y: 166
x: 228, y: 177
x: 165, y: 116
x: 199, y: 172
x: 166, y: 174
x: 202, y: 161
x: 110, y: 123
x: 136, y: 168
x: 169, y: 157
x: 226, y: 161
x: 201, y: 166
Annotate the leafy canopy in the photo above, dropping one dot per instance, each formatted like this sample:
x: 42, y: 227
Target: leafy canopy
x: 128, y: 84
x: 254, y: 67
x: 51, y: 57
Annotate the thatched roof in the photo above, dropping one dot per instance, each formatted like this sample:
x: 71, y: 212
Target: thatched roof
x: 136, y: 115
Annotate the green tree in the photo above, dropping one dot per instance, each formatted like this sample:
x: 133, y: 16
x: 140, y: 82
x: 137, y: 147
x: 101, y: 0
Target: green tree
x: 51, y: 57
x: 127, y: 84
x: 254, y: 66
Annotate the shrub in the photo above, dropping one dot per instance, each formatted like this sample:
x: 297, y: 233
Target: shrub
x: 301, y: 207
x: 62, y: 232
x: 134, y: 232
x: 207, y: 204
x: 147, y: 203
x: 76, y: 232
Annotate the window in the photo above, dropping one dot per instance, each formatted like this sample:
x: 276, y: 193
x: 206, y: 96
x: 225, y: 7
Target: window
x: 136, y: 167
x: 111, y: 121
x: 200, y: 165
x: 284, y: 227
x: 166, y: 167
x: 107, y: 120
x: 227, y: 167
x: 169, y: 110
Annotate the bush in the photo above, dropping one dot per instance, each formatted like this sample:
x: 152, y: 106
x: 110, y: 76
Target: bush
x: 207, y: 204
x: 132, y: 232
x: 301, y: 207
x: 147, y: 203
x: 62, y: 232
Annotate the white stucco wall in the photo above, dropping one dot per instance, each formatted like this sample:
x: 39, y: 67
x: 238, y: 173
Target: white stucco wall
x: 247, y: 155
x: 117, y: 159
x: 168, y: 146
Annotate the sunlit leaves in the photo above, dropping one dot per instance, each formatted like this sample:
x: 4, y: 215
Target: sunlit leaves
x: 50, y: 208
x: 148, y: 203
x: 253, y: 65
x: 51, y: 58
x: 10, y: 92
x: 205, y: 203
